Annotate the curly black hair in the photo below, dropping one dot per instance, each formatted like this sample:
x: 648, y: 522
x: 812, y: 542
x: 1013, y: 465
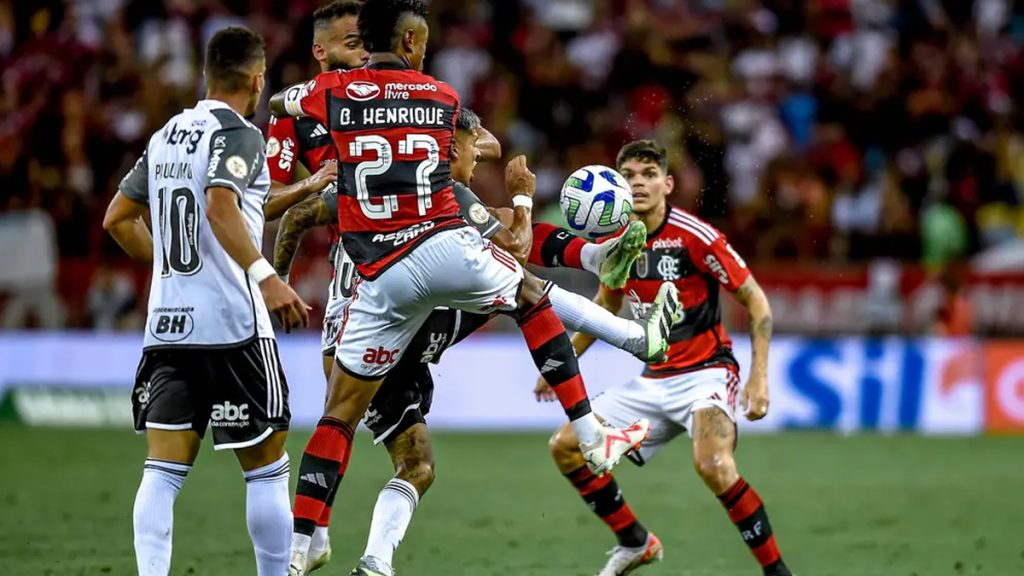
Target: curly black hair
x: 378, y: 21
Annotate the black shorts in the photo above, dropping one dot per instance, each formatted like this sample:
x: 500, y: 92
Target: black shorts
x: 404, y: 397
x: 240, y: 391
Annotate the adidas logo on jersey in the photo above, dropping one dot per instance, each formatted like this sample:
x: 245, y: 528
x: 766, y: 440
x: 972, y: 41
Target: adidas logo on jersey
x: 550, y: 364
x: 319, y: 130
x: 317, y: 478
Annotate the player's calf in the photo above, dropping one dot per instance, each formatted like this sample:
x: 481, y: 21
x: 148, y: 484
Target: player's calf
x: 267, y: 503
x: 714, y: 439
x: 601, y: 493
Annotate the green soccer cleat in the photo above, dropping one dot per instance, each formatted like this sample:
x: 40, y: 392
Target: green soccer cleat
x: 371, y: 566
x: 619, y: 253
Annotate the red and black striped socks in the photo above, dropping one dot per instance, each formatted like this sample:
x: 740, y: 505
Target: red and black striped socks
x: 605, y: 499
x: 323, y: 465
x: 555, y: 358
x: 747, y: 512
x: 554, y: 246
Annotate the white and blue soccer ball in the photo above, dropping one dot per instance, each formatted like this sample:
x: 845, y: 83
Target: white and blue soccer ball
x: 596, y: 201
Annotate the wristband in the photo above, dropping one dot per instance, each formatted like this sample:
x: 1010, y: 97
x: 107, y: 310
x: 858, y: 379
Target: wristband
x: 260, y: 270
x: 522, y: 200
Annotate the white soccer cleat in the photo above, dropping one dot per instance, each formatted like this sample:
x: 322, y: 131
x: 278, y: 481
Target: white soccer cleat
x: 297, y: 566
x: 317, y: 560
x: 612, y: 444
x: 625, y: 560
x: 371, y: 566
x: 665, y: 312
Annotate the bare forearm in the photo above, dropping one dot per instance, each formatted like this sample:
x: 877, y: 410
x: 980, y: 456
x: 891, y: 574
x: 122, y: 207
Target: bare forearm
x: 581, y: 342
x: 134, y: 238
x: 297, y: 220
x: 760, y: 335
x: 283, y: 197
x: 488, y: 145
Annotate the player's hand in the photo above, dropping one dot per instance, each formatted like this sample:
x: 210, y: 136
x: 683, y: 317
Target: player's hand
x: 543, y: 391
x: 284, y: 303
x: 325, y: 176
x: 518, y: 178
x: 755, y: 398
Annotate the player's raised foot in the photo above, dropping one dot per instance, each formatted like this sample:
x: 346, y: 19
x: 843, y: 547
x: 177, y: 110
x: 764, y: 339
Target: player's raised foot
x: 619, y: 253
x: 370, y: 566
x: 665, y: 312
x: 612, y: 444
x: 317, y: 559
x: 625, y: 560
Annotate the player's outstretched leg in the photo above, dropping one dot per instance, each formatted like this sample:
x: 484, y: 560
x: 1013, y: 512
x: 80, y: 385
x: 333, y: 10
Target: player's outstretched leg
x: 413, y: 458
x: 611, y: 261
x: 714, y: 437
x: 267, y: 505
x: 636, y: 545
x: 645, y: 338
x: 168, y: 462
x: 602, y: 446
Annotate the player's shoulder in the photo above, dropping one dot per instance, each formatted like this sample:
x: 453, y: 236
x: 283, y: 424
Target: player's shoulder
x: 681, y: 223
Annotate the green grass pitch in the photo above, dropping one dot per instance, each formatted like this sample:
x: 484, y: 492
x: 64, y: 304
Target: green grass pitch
x: 841, y: 506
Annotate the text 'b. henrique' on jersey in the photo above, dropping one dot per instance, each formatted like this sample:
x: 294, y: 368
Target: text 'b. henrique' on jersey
x: 199, y: 295
x: 698, y: 259
x: 393, y: 128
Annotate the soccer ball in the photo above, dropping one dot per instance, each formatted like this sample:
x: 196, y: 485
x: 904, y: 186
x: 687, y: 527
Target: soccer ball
x: 596, y: 201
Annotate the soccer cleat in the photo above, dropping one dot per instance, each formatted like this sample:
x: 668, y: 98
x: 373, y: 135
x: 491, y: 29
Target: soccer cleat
x: 297, y: 566
x: 612, y: 443
x: 625, y: 560
x: 665, y: 312
x: 317, y: 560
x: 370, y: 566
x: 619, y: 253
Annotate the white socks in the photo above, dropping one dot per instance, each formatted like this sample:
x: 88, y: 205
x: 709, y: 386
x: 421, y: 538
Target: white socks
x: 590, y: 258
x: 580, y: 314
x: 587, y: 428
x: 153, y: 516
x: 391, y: 516
x: 321, y: 539
x: 268, y: 513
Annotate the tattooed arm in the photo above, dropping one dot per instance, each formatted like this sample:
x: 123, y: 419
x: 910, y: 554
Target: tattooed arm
x: 755, y: 395
x: 310, y: 213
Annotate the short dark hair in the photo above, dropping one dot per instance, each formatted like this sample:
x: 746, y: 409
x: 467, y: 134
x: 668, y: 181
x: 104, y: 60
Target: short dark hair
x: 324, y: 15
x: 467, y: 120
x: 644, y: 151
x: 229, y: 56
x: 378, y: 21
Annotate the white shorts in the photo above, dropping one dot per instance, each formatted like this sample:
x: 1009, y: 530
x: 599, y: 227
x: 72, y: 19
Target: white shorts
x: 669, y: 403
x: 455, y: 268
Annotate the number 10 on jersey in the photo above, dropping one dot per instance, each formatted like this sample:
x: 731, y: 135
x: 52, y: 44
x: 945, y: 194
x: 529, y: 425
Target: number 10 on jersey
x: 384, y: 206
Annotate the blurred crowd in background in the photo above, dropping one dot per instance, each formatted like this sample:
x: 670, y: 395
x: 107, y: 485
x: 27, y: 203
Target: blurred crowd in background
x: 810, y: 131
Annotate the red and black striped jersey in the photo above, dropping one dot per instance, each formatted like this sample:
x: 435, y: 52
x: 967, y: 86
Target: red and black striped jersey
x: 294, y: 140
x: 698, y: 259
x: 393, y: 128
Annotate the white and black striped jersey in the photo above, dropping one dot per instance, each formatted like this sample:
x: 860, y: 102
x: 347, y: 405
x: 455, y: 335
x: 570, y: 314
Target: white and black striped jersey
x: 200, y: 297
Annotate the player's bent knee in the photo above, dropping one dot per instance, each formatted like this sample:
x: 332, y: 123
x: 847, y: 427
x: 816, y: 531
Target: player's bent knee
x: 532, y: 292
x: 173, y: 445
x: 266, y: 452
x: 565, y: 449
x: 717, y: 469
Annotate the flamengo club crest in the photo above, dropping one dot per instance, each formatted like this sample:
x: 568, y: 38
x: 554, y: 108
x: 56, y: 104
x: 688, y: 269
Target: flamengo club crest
x: 668, y: 267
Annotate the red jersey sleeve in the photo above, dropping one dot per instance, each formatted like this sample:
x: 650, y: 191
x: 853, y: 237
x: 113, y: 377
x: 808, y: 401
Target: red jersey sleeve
x: 282, y: 142
x: 719, y: 261
x: 310, y: 99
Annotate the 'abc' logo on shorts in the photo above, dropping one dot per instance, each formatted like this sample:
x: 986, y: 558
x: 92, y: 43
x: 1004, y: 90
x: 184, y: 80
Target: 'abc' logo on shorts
x: 380, y: 356
x: 228, y: 414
